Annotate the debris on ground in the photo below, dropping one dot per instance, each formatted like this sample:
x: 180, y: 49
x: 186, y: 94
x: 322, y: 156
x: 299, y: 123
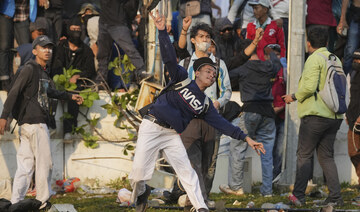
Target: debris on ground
x: 237, y: 203
x: 84, y: 189
x: 62, y: 207
x: 67, y: 185
x: 250, y: 204
x: 124, y: 196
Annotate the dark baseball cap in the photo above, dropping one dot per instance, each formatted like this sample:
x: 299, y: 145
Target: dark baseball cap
x: 42, y: 41
x: 203, y: 61
x: 40, y: 23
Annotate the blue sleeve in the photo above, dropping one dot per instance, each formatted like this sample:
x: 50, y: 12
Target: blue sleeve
x: 213, y: 118
x: 168, y: 55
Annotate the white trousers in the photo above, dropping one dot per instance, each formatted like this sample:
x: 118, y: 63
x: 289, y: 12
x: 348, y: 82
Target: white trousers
x: 151, y: 139
x: 33, y: 155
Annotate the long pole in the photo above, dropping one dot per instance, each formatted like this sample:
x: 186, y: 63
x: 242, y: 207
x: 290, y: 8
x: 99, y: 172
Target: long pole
x: 296, y: 55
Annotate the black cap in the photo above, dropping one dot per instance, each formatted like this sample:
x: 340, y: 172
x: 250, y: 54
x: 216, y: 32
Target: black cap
x: 356, y: 54
x: 203, y: 61
x: 40, y: 23
x: 42, y: 41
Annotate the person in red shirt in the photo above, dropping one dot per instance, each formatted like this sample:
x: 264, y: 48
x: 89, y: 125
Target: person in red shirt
x: 272, y: 33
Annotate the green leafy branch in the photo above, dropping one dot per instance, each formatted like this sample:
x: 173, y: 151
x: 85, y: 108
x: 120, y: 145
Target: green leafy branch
x: 62, y: 81
x: 118, y: 106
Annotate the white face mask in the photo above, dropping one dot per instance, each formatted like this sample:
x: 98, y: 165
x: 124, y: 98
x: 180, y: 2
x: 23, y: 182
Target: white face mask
x: 17, y: 61
x: 203, y: 46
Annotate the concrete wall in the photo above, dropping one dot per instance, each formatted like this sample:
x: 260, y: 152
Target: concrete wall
x: 108, y: 162
x: 75, y: 160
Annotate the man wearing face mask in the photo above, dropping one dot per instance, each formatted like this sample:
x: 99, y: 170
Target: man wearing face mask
x: 224, y: 38
x: 72, y: 52
x: 87, y: 12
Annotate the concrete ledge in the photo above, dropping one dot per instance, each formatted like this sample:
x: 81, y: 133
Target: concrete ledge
x: 108, y: 161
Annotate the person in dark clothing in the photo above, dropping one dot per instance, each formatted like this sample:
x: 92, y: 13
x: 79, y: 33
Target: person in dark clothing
x: 254, y: 78
x: 159, y: 131
x: 52, y: 10
x: 73, y: 53
x: 30, y: 94
x: 224, y: 38
x: 353, y: 115
x: 115, y: 19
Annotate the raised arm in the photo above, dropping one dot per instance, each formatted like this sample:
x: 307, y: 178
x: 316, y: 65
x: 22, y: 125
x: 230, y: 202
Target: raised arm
x: 185, y: 27
x: 258, y: 36
x: 167, y: 49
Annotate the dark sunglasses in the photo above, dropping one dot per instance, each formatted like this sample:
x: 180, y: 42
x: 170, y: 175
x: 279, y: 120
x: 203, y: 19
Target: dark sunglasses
x: 227, y: 29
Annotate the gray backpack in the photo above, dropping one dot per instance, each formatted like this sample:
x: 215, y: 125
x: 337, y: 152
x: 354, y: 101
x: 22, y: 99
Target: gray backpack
x: 335, y: 93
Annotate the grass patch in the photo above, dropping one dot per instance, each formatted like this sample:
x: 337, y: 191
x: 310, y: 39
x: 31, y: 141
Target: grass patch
x: 107, y: 203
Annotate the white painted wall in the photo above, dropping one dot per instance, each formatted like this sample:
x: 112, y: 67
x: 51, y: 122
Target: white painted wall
x: 70, y: 159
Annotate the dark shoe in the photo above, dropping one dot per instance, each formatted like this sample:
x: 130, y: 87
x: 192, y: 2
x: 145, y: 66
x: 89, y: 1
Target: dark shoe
x: 173, y: 196
x: 203, y: 210
x: 170, y: 199
x: 141, y: 202
x: 328, y: 201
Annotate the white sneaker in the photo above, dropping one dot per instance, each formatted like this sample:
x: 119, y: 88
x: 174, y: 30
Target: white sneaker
x: 227, y: 190
x: 210, y: 203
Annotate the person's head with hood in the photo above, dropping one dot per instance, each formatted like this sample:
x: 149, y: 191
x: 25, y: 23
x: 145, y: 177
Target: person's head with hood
x: 39, y: 27
x: 261, y: 9
x: 73, y: 31
x: 87, y: 11
x: 224, y: 28
x: 200, y: 36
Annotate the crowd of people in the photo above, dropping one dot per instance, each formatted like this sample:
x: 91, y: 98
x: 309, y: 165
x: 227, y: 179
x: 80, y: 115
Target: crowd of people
x: 243, y: 50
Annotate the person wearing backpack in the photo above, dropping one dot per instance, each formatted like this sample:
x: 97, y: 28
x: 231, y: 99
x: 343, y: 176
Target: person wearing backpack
x: 30, y: 94
x: 168, y: 117
x: 319, y: 124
